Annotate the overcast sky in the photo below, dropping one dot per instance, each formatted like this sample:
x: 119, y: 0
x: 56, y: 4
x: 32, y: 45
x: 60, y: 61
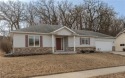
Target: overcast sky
x: 119, y: 5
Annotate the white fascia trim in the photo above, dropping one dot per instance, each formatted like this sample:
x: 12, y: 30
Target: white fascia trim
x: 86, y: 36
x: 121, y: 32
x: 19, y: 32
x: 62, y: 28
x: 70, y: 30
x: 107, y: 37
x: 95, y: 36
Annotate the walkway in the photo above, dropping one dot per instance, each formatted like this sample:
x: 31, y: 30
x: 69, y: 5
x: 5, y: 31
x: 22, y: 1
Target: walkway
x: 87, y: 73
x: 120, y: 53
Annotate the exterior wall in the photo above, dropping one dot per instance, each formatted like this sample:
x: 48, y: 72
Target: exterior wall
x: 77, y: 42
x: 47, y: 40
x: 19, y: 40
x: 20, y: 49
x: 120, y: 40
x: 65, y: 43
x: 80, y: 47
x: 32, y: 50
x: 64, y: 32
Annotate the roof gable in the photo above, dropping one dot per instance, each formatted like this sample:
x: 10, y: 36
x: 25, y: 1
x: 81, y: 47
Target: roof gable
x: 121, y: 32
x: 64, y: 28
x: 64, y: 31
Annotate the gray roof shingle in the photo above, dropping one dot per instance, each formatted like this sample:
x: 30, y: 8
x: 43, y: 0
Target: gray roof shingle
x: 91, y: 33
x: 44, y: 28
x: 40, y: 28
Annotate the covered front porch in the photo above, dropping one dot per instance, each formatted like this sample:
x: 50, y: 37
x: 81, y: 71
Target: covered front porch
x: 60, y: 40
x: 60, y: 44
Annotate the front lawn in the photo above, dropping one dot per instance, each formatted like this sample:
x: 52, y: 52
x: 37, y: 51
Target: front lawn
x: 27, y: 66
x: 115, y: 75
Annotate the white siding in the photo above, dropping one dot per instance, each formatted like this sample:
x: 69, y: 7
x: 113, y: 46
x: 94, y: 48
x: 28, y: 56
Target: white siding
x: 120, y: 40
x: 92, y: 41
x: 19, y: 40
x: 71, y: 40
x: 64, y: 32
x: 47, y: 40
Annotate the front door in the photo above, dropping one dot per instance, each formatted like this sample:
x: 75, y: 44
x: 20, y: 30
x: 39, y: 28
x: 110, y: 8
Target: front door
x: 59, y: 43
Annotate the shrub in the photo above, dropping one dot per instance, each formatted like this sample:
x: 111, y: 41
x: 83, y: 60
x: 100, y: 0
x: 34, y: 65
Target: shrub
x: 123, y: 49
x: 6, y: 45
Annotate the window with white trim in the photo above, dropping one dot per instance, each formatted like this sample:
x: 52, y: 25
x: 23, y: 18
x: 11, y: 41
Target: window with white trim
x: 34, y: 41
x: 85, y: 41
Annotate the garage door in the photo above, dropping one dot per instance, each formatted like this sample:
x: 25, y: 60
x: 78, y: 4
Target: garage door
x: 103, y: 46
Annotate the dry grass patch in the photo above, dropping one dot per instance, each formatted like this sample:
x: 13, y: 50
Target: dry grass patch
x: 25, y: 66
x: 2, y: 53
x: 115, y: 75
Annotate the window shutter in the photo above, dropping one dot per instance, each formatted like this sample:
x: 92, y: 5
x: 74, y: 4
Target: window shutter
x: 89, y: 41
x: 26, y: 40
x: 80, y: 40
x: 41, y: 41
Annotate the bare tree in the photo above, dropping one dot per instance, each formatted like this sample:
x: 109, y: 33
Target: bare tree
x: 94, y: 15
x: 12, y: 12
x: 67, y: 13
x: 30, y: 13
x: 46, y: 11
x: 90, y: 7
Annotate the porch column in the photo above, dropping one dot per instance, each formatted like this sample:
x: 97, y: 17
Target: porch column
x: 52, y: 43
x: 74, y: 43
x: 13, y: 43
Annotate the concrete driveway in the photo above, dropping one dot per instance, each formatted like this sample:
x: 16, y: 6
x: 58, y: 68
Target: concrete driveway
x: 120, y: 53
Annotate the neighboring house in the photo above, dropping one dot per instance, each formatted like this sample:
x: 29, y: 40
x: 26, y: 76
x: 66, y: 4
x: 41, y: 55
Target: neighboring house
x: 53, y: 38
x: 120, y: 41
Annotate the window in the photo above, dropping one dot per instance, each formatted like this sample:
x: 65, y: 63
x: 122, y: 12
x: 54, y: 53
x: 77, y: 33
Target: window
x: 34, y: 41
x: 85, y: 41
x: 122, y: 44
x: 31, y: 41
x: 37, y: 40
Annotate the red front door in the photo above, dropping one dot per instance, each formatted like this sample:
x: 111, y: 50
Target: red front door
x: 59, y: 44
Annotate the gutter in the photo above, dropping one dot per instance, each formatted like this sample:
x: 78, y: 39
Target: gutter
x: 20, y: 32
x: 107, y: 37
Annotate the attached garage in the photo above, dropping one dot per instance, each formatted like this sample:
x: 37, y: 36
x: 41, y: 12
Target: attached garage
x: 104, y: 44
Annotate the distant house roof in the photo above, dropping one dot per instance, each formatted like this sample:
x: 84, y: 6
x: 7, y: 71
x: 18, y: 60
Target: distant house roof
x: 121, y: 32
x: 50, y: 28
